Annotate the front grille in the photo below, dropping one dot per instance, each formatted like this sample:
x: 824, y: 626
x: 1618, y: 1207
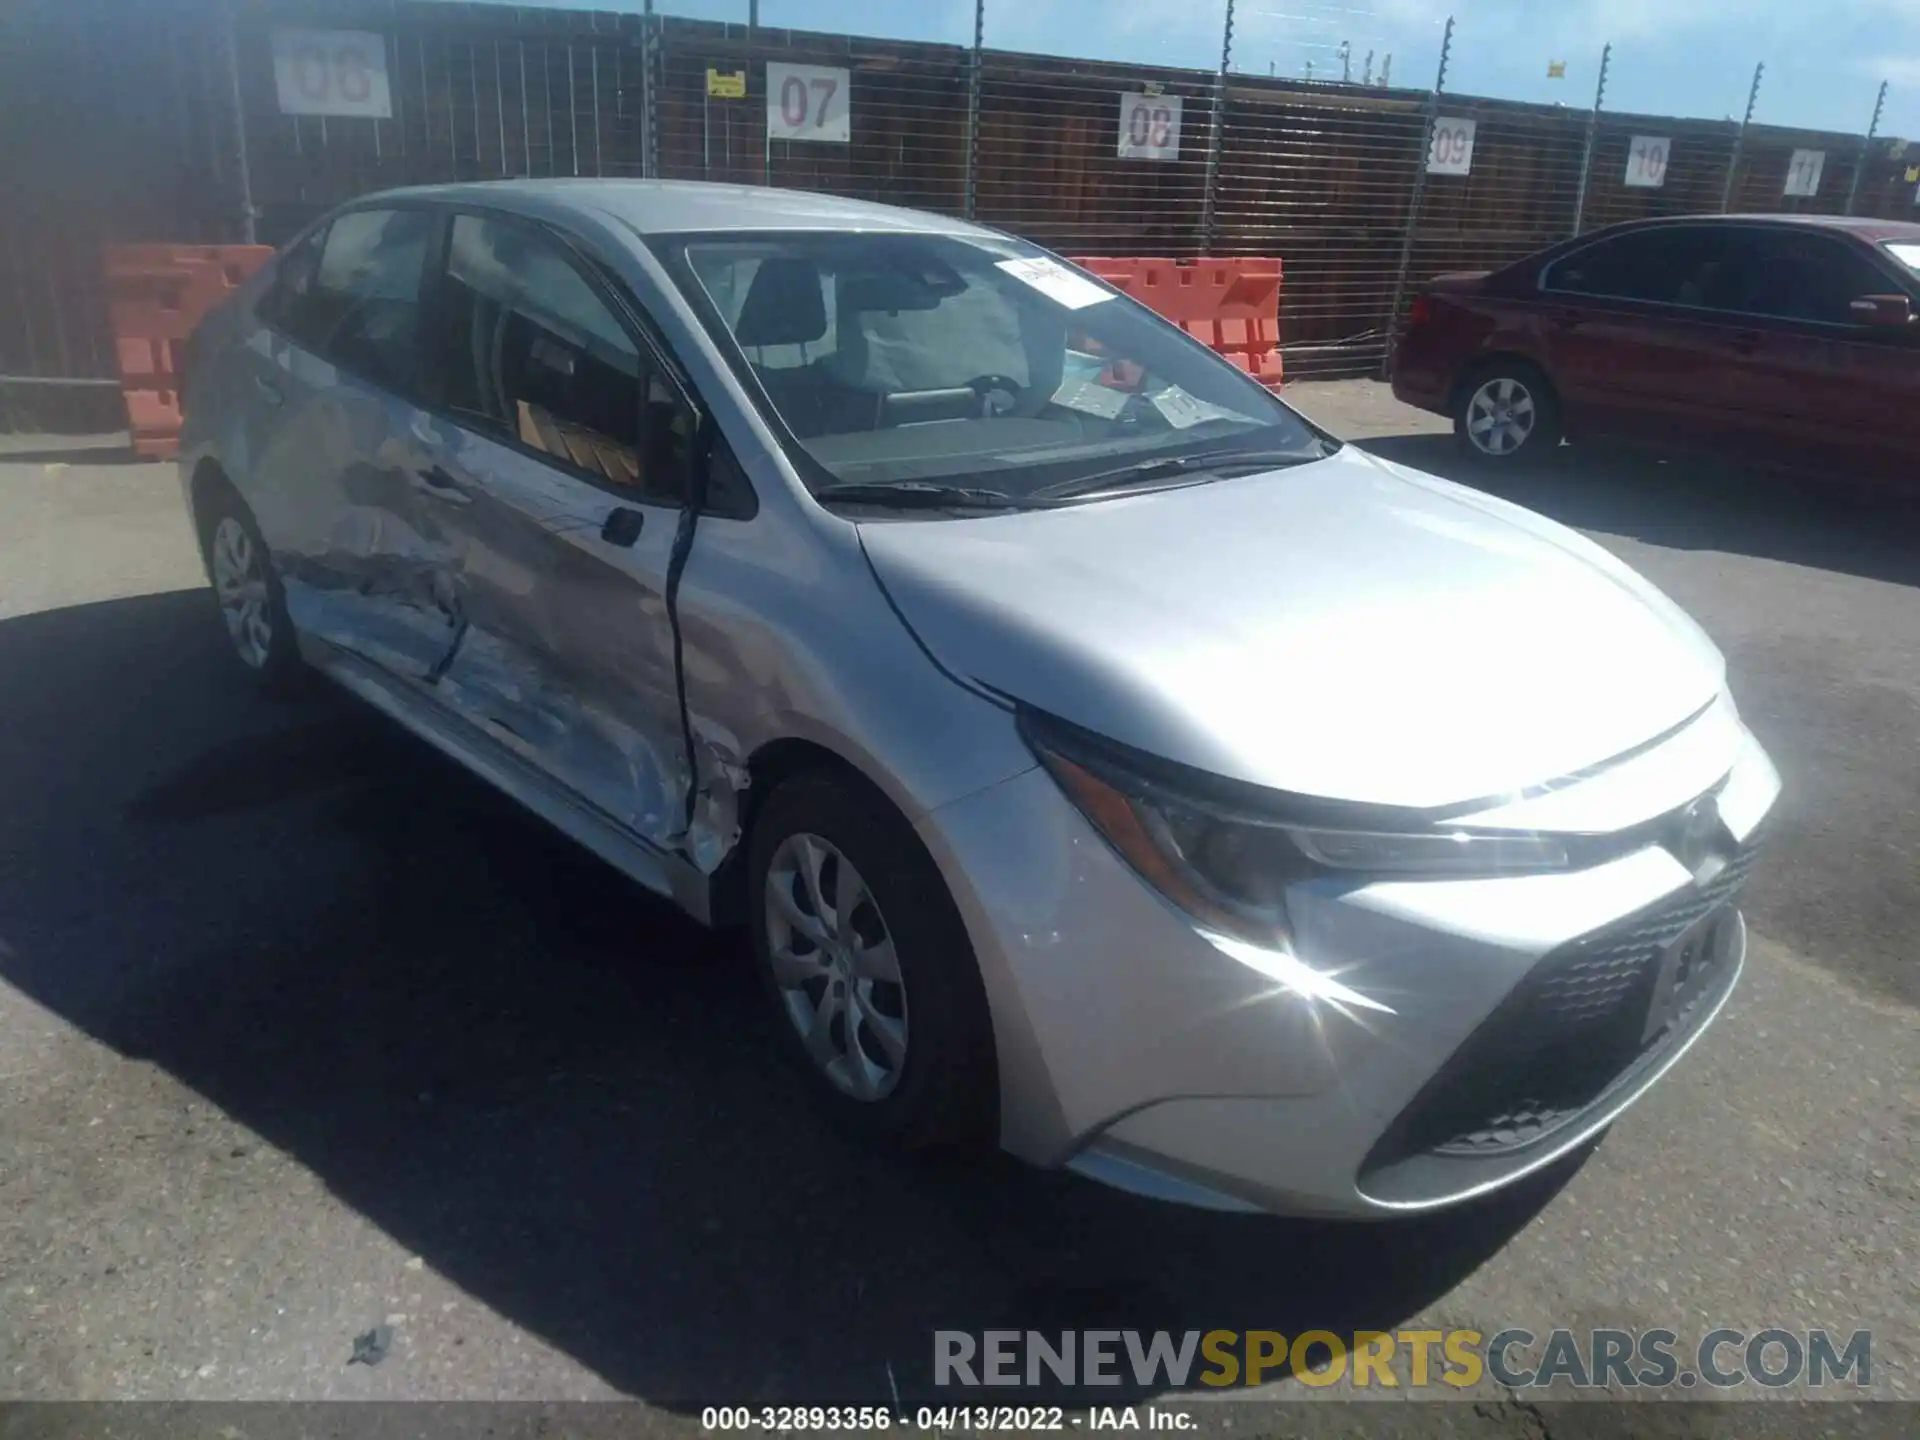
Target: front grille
x: 1570, y: 1032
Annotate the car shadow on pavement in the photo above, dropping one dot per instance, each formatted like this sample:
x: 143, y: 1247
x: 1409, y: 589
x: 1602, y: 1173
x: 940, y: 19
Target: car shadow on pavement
x: 1696, y: 503
x: 550, y: 1086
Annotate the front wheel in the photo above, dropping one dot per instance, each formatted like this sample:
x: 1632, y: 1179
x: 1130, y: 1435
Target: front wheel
x: 872, y: 981
x: 1506, y: 410
x: 252, y: 603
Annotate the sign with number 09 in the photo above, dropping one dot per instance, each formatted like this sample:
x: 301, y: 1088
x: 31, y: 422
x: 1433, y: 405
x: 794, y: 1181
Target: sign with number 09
x: 331, y: 72
x: 1647, y: 161
x: 1803, y: 172
x: 1450, y: 152
x: 808, y: 102
x: 1149, y: 127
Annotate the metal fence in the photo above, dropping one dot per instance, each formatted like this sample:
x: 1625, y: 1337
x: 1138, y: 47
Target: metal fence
x: 164, y: 121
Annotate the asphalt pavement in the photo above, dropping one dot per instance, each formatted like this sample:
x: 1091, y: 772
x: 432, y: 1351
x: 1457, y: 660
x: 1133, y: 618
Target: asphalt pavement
x: 303, y: 1032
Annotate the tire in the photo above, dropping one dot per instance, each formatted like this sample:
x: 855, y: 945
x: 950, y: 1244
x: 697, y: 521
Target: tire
x: 247, y: 588
x: 921, y: 1074
x: 1506, y: 413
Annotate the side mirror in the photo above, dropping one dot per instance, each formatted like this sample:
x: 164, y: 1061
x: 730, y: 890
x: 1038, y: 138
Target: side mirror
x: 1882, y: 311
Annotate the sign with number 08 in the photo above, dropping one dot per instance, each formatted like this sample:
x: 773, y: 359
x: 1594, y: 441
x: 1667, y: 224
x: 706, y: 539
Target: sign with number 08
x: 331, y: 72
x: 808, y: 102
x: 1647, y: 162
x: 1803, y: 172
x: 1149, y: 127
x: 1450, y: 152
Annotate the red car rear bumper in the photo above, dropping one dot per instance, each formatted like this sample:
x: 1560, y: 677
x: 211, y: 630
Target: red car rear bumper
x: 1421, y: 383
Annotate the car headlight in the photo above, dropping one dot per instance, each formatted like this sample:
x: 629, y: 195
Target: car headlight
x: 1226, y: 852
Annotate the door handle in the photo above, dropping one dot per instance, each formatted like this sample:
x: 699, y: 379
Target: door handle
x: 437, y: 484
x: 623, y: 525
x: 269, y: 392
x: 1745, y: 342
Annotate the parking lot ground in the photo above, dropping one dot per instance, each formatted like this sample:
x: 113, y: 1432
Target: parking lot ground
x: 304, y: 1032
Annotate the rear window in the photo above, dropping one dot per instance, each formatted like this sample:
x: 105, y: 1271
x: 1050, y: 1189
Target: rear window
x: 353, y: 294
x: 1669, y: 266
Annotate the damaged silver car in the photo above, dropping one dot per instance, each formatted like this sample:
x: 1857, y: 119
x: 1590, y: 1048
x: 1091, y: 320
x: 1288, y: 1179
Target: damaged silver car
x: 1108, y: 763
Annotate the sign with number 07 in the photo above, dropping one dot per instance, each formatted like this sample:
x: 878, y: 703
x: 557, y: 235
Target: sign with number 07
x: 808, y: 102
x: 1149, y: 127
x: 331, y: 72
x: 1450, y: 152
x: 1647, y: 161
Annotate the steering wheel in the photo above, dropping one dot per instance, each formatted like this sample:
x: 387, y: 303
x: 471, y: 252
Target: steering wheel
x: 999, y: 394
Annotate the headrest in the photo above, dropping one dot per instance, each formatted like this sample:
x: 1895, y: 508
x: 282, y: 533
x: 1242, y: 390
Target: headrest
x: 783, y: 305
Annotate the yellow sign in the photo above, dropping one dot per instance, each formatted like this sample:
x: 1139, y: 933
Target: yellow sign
x: 1556, y: 69
x: 727, y: 84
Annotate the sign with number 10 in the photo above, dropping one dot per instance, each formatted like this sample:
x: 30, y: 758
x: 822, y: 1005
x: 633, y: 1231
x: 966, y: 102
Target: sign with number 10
x: 1450, y: 152
x: 331, y: 72
x: 808, y: 102
x: 1647, y: 162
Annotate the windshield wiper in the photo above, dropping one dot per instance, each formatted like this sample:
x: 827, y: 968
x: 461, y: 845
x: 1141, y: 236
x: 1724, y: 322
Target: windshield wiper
x: 1207, y: 463
x: 919, y: 494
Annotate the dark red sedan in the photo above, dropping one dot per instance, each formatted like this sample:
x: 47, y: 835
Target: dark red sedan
x: 1793, y: 339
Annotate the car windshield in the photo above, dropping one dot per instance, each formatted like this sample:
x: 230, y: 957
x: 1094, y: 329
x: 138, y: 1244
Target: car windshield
x: 904, y: 363
x: 1908, y: 254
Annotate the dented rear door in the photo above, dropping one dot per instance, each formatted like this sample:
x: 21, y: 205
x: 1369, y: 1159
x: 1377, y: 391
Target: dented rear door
x: 556, y: 489
x: 341, y: 442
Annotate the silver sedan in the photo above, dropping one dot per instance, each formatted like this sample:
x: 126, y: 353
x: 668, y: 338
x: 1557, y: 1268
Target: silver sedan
x: 1108, y: 764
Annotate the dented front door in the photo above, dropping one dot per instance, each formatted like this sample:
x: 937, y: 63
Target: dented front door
x: 563, y: 649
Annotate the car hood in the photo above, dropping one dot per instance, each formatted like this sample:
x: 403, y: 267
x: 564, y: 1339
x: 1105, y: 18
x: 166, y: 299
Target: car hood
x: 1350, y: 629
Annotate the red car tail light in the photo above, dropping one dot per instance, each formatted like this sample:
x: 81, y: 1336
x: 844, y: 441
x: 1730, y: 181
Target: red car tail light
x: 1419, y: 312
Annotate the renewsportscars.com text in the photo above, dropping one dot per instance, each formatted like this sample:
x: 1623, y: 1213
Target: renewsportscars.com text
x: 1519, y: 1359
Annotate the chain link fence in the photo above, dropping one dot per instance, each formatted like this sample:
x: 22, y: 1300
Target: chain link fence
x: 168, y: 121
x: 1322, y: 177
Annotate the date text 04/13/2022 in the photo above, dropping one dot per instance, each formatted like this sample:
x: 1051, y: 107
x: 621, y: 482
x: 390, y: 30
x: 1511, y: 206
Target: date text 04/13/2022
x: 941, y: 1418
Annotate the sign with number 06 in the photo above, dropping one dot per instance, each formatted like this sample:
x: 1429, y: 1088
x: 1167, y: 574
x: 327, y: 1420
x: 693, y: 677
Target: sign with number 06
x: 1451, y: 150
x: 808, y: 102
x: 1647, y: 161
x: 1803, y: 172
x: 1149, y: 127
x: 332, y: 72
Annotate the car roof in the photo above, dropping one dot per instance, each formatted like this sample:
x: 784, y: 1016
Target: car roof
x: 664, y: 207
x: 1866, y: 227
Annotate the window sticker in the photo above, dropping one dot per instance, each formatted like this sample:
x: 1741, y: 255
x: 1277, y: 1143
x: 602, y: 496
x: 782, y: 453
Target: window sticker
x: 1183, y: 411
x: 1088, y: 396
x: 1056, y: 282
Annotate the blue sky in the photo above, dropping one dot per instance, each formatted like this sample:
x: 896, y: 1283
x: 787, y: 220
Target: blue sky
x: 1824, y: 58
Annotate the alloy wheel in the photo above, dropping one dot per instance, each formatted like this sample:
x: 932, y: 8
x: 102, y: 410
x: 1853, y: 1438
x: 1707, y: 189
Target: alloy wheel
x: 1501, y: 416
x: 833, y: 960
x: 240, y: 582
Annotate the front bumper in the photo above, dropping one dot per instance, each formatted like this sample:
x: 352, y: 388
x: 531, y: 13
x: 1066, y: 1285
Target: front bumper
x: 1389, y: 1064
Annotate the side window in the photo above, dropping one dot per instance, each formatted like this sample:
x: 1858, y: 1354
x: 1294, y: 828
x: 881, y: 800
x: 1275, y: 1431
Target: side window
x: 358, y: 304
x: 292, y: 284
x: 534, y: 355
x: 1804, y: 277
x: 1668, y: 266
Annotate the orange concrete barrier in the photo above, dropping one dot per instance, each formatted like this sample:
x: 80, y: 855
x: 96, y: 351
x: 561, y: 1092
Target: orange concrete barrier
x: 1232, y: 306
x: 156, y: 294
